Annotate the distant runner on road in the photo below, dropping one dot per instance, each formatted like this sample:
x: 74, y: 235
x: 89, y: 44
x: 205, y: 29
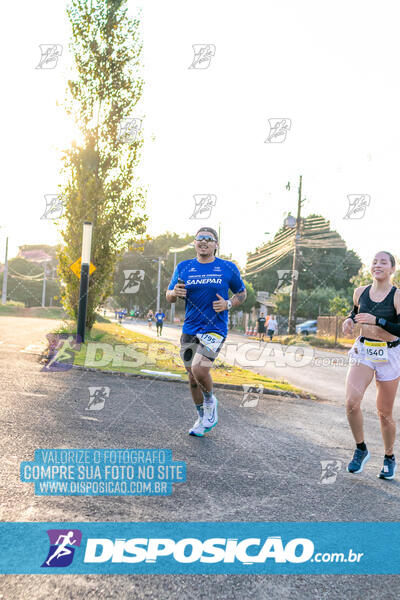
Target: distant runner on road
x: 150, y: 317
x: 261, y: 327
x: 159, y: 317
x: 375, y: 352
x: 204, y: 282
x: 272, y: 327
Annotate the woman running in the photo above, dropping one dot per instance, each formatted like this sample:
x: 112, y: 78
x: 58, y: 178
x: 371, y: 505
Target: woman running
x: 150, y: 317
x: 376, y: 351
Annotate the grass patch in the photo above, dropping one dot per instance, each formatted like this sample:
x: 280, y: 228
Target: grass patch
x: 154, y: 355
x: 313, y: 340
x: 17, y: 309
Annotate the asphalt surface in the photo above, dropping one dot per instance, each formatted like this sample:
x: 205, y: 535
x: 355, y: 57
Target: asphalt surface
x: 322, y: 374
x: 258, y: 464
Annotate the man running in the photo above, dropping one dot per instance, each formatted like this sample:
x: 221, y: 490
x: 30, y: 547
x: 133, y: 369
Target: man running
x: 375, y: 352
x: 204, y: 282
x: 272, y: 327
x: 159, y: 317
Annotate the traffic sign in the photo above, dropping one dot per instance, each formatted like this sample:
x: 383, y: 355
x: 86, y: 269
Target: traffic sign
x: 76, y: 268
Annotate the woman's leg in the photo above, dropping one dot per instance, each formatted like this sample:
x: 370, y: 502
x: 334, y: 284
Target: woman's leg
x: 358, y: 379
x: 386, y: 393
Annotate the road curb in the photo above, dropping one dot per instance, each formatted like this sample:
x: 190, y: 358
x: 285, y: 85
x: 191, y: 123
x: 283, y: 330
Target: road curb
x: 227, y: 386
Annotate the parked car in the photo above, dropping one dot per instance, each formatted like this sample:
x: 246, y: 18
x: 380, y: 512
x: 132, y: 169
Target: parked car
x: 306, y: 328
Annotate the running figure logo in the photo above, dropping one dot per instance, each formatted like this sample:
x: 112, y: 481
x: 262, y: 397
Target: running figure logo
x: 50, y: 55
x: 61, y: 352
x: 133, y: 279
x: 285, y: 278
x: 203, y: 205
x: 203, y: 54
x: 62, y: 542
x: 128, y: 130
x: 357, y: 206
x: 54, y: 206
x: 330, y: 470
x: 278, y: 129
x: 251, y: 395
x: 98, y: 397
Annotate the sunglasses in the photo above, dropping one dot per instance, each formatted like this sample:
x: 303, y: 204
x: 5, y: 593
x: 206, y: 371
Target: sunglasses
x: 205, y: 238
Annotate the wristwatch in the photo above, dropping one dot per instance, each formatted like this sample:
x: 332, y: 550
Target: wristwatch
x: 380, y: 321
x: 228, y: 304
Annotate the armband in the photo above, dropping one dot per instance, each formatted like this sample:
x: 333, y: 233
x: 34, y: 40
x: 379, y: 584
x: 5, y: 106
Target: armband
x: 389, y: 326
x: 353, y: 313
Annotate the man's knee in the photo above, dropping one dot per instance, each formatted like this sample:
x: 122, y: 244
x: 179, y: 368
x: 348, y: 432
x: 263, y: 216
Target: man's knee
x: 199, y: 371
x: 192, y: 381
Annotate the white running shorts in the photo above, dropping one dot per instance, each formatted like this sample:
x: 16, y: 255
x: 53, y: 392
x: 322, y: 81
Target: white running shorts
x: 386, y: 371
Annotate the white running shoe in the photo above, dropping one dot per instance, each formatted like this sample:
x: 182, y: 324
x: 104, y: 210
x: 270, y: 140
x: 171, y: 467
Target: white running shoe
x: 198, y: 428
x: 210, y: 417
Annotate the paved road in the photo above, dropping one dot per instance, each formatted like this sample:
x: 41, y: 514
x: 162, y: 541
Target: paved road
x: 323, y: 374
x: 260, y: 463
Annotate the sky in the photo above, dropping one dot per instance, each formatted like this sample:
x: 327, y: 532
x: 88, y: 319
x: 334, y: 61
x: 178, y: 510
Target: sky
x: 329, y: 68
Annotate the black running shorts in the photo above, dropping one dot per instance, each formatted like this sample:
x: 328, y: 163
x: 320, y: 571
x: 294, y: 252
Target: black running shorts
x: 190, y: 345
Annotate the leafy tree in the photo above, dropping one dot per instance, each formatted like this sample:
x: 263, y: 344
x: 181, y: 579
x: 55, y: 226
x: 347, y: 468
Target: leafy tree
x: 339, y: 306
x: 318, y: 267
x: 309, y: 305
x: 100, y: 173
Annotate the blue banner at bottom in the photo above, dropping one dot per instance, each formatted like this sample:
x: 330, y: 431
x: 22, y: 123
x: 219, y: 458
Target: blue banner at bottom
x: 207, y: 548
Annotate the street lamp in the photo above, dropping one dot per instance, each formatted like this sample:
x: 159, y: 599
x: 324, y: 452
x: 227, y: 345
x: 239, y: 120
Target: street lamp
x: 84, y: 284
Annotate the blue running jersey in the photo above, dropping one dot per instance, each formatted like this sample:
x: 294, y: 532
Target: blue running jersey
x: 203, y: 281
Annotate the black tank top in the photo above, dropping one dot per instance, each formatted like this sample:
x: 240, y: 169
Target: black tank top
x: 384, y: 309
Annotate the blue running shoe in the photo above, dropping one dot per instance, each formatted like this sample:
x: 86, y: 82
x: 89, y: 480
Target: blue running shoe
x: 388, y: 469
x: 359, y: 459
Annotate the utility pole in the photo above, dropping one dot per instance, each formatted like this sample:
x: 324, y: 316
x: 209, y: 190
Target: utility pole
x: 293, y: 293
x: 173, y: 303
x: 5, y: 274
x: 44, y: 286
x: 158, y: 283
